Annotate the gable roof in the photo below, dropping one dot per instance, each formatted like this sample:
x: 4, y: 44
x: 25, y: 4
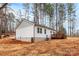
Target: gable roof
x: 44, y: 26
x: 19, y: 24
x: 35, y: 24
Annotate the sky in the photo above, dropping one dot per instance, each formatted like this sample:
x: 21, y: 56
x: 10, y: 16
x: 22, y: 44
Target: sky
x: 19, y: 6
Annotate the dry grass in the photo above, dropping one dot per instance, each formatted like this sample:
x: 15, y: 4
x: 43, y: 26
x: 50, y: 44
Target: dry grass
x: 60, y: 47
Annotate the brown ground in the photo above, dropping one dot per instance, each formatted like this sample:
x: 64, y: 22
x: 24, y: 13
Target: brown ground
x: 69, y: 46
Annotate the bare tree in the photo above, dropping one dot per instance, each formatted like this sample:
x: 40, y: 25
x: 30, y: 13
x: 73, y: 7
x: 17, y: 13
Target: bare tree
x: 71, y: 13
x: 2, y: 17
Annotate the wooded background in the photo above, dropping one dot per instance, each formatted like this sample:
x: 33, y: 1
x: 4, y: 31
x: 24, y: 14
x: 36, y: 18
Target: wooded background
x: 49, y: 14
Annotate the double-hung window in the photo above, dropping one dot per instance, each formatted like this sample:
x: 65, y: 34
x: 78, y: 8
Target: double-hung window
x: 39, y: 30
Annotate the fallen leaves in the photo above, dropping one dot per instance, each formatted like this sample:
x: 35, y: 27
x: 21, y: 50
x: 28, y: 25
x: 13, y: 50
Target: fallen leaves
x: 61, y: 47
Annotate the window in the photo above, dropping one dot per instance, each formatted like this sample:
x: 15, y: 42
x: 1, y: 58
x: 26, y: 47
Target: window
x: 44, y: 31
x: 40, y: 30
x: 37, y: 30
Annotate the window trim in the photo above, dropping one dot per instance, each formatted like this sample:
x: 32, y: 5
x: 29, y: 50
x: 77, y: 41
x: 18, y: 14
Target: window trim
x: 39, y: 30
x: 44, y: 31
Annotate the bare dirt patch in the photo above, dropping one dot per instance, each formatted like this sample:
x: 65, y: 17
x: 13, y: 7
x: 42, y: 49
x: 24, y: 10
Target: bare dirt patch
x: 64, y: 47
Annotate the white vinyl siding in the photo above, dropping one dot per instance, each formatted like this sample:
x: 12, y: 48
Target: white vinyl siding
x: 24, y: 31
x: 43, y: 34
x: 27, y: 30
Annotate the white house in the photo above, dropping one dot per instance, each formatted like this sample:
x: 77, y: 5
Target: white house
x: 28, y: 30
